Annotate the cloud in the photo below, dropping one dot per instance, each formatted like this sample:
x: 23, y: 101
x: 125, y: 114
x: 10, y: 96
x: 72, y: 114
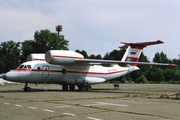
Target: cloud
x: 96, y: 26
x: 20, y: 24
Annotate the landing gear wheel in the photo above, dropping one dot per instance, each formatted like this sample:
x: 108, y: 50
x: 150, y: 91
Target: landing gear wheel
x: 88, y: 87
x: 65, y: 87
x: 81, y: 87
x: 72, y: 87
x: 27, y: 89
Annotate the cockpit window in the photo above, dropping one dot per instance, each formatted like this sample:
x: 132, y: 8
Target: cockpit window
x: 25, y: 66
x: 21, y: 66
x: 29, y: 66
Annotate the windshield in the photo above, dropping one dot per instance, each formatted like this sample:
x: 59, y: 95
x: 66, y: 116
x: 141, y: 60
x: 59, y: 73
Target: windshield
x: 21, y: 66
x: 25, y: 66
x: 29, y: 66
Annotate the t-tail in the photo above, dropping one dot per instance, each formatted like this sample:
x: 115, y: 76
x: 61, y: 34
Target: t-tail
x: 134, y: 50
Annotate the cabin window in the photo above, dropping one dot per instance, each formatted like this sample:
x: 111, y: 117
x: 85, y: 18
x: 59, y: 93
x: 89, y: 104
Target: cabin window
x: 25, y: 67
x: 29, y: 66
x: 38, y: 68
x: 64, y: 71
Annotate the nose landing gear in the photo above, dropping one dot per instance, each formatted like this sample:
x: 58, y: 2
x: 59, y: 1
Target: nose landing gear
x: 26, y: 88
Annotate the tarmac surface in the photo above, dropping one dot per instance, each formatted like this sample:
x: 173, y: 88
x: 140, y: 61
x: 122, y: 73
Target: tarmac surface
x: 103, y: 102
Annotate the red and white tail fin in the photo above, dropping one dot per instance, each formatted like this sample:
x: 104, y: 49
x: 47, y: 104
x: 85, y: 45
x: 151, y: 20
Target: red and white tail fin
x: 134, y: 50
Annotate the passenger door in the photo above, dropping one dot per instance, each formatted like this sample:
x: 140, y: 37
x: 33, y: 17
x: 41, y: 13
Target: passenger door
x: 45, y: 74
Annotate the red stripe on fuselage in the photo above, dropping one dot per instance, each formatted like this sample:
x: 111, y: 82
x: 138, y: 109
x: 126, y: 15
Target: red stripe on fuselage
x: 68, y: 72
x: 68, y: 57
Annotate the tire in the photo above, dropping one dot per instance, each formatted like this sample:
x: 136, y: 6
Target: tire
x: 27, y: 89
x: 65, y: 87
x: 72, y: 87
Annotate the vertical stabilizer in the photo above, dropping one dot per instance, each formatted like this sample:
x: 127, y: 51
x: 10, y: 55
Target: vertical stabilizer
x: 134, y: 50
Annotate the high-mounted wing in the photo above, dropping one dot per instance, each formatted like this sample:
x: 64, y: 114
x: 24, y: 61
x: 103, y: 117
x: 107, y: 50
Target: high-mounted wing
x: 95, y: 61
x: 64, y: 57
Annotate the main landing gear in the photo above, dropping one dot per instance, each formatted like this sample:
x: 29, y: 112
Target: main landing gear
x: 84, y: 86
x: 26, y: 88
x: 65, y: 87
x: 72, y: 87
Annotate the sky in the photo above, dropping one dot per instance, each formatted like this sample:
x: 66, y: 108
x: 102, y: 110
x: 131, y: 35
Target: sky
x: 96, y: 26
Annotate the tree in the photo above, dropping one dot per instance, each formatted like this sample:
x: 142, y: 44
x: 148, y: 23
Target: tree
x: 63, y: 43
x: 124, y: 80
x: 26, y: 49
x: 169, y: 74
x: 45, y: 40
x: 98, y: 56
x: 106, y: 56
x: 141, y: 79
x: 92, y: 56
x: 156, y: 75
x: 9, y: 52
x: 177, y: 62
x: 160, y: 58
x: 83, y: 53
x: 176, y: 75
x: 115, y: 55
x: 143, y: 68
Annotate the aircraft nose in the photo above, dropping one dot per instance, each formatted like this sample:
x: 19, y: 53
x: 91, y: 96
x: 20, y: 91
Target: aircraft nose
x: 4, y: 76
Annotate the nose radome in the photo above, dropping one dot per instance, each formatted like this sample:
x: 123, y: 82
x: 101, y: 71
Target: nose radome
x: 4, y: 76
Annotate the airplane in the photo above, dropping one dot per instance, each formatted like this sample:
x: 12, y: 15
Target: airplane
x: 70, y: 69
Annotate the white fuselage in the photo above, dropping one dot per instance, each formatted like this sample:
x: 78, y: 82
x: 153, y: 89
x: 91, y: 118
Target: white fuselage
x: 42, y: 72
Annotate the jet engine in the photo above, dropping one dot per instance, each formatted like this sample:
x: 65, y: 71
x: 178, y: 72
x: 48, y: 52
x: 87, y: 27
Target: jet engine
x: 37, y: 56
x: 62, y: 57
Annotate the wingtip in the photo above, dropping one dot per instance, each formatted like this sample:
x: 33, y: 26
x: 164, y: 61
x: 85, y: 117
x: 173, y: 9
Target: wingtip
x: 173, y: 65
x: 160, y: 41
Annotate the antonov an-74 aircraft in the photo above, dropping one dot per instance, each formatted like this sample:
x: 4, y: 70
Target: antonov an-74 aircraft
x: 69, y: 68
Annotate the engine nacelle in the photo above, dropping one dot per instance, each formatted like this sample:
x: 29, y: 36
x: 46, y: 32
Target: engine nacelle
x: 36, y: 56
x: 62, y: 57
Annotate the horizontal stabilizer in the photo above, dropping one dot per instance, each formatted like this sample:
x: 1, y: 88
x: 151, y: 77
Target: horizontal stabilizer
x: 140, y: 45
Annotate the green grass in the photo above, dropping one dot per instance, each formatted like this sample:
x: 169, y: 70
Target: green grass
x: 1, y: 96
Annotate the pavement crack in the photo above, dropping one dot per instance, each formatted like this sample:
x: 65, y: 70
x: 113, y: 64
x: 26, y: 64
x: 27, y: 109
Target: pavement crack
x: 60, y: 116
